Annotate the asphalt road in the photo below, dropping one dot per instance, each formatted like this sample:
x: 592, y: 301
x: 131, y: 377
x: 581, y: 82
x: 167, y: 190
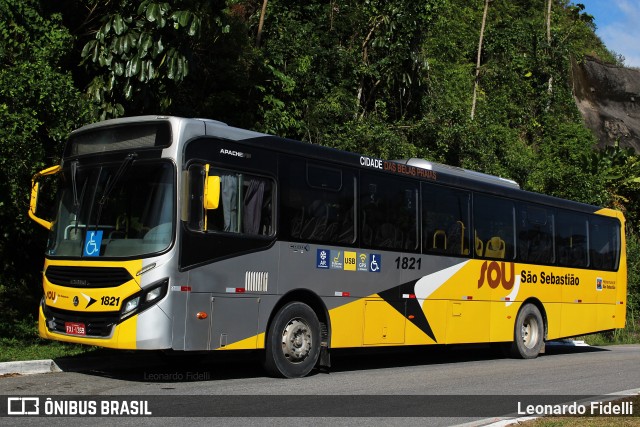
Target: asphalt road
x: 442, y: 386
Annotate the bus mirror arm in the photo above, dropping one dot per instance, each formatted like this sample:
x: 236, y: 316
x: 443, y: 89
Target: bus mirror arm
x: 35, y: 188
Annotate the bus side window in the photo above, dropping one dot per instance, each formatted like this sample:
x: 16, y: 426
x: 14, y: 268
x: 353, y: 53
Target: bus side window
x: 445, y: 220
x: 535, y: 235
x: 494, y: 220
x: 604, y: 244
x: 389, y: 214
x: 245, y: 204
x: 571, y: 239
x: 317, y: 202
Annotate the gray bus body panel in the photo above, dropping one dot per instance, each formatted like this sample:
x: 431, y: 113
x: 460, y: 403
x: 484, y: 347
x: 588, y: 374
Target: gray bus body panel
x: 289, y: 266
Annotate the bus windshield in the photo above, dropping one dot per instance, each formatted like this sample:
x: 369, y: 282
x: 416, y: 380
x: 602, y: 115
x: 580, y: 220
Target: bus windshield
x: 121, y: 209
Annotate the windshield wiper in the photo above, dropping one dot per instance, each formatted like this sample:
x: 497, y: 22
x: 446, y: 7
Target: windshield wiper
x: 74, y: 190
x: 111, y: 183
x: 74, y: 185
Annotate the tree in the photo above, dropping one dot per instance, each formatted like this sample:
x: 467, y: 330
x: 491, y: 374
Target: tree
x: 475, y: 84
x: 619, y: 169
x: 39, y: 105
x: 138, y: 53
x: 263, y: 12
x: 548, y: 25
x: 329, y: 64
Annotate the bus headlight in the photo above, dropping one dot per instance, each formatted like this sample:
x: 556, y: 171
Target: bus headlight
x: 153, y: 294
x: 145, y: 299
x: 129, y: 307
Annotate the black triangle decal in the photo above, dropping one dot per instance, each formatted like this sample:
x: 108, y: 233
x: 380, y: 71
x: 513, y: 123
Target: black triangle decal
x: 393, y: 296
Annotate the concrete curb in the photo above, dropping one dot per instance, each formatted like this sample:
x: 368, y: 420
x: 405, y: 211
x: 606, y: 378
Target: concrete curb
x: 29, y: 367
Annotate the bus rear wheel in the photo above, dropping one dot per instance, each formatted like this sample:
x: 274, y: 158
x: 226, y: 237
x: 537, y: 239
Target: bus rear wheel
x: 293, y: 341
x: 528, y: 333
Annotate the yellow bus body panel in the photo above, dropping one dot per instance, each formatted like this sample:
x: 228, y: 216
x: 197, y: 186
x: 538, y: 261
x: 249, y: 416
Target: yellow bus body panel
x: 480, y: 303
x: 61, y: 297
x: 123, y: 337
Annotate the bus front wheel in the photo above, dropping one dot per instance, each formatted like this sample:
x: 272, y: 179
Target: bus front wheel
x: 293, y: 341
x: 528, y: 333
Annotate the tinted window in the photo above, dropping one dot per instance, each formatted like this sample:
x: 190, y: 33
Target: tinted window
x: 571, y: 239
x: 445, y: 220
x: 324, y: 178
x: 535, y: 235
x: 317, y: 202
x: 604, y: 243
x: 494, y: 227
x: 389, y: 212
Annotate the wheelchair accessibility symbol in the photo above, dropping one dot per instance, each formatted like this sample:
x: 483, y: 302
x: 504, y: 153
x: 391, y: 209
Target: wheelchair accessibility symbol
x: 92, y: 243
x: 376, y: 263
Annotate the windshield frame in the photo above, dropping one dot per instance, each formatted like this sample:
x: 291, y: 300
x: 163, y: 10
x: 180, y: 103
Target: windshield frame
x: 93, y: 167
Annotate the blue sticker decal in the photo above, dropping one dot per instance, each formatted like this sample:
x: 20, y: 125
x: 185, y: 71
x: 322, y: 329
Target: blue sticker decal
x: 337, y: 261
x: 92, y: 243
x: 322, y: 258
x: 375, y: 263
x: 363, y: 262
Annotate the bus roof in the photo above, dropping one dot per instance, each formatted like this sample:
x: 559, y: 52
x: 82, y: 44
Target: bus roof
x: 460, y: 172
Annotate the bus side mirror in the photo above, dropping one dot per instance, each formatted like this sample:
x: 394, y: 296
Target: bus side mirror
x: 212, y: 192
x: 35, y: 188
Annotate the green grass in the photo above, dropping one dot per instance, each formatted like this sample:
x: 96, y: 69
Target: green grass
x: 20, y: 341
x: 619, y: 336
x: 12, y: 349
x: 629, y: 335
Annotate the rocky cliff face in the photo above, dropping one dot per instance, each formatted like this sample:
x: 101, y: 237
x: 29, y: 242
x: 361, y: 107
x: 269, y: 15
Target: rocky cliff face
x: 609, y: 99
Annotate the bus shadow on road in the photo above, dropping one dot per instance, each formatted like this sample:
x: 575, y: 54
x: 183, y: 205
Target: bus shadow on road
x: 563, y: 347
x: 377, y: 358
x: 177, y: 367
x: 163, y: 367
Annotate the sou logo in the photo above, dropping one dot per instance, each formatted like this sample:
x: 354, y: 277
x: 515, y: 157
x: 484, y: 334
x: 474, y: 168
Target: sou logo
x: 496, y: 273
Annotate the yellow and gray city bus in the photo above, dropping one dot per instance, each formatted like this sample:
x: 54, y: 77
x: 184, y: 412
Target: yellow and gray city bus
x: 191, y: 235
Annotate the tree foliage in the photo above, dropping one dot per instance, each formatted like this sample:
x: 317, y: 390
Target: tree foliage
x: 619, y: 169
x: 141, y: 51
x: 39, y: 106
x: 391, y: 79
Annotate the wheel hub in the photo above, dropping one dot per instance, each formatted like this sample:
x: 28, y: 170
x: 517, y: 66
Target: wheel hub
x: 296, y: 340
x: 529, y: 332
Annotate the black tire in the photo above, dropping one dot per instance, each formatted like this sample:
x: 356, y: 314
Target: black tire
x: 293, y: 341
x: 528, y: 336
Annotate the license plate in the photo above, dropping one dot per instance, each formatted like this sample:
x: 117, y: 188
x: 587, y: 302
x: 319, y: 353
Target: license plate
x: 75, y: 328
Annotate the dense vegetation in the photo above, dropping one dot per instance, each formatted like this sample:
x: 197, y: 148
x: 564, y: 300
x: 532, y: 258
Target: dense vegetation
x: 388, y: 78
